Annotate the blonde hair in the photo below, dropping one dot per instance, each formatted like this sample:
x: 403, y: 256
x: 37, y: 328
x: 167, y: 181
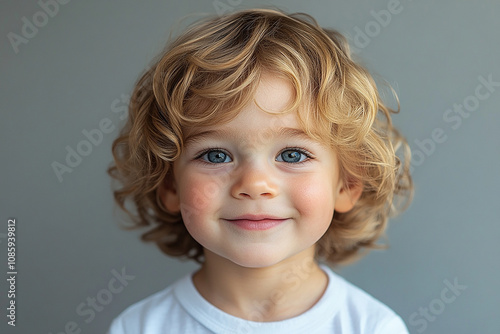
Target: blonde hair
x: 210, y: 72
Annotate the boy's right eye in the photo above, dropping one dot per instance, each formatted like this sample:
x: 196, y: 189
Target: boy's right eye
x: 214, y: 156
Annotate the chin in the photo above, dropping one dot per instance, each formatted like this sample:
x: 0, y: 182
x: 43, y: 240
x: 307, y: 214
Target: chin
x: 256, y: 259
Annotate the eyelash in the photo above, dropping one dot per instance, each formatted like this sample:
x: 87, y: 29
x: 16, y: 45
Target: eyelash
x: 288, y: 148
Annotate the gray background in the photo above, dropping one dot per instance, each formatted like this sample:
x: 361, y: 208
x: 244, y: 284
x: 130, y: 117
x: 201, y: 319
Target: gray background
x: 71, y: 75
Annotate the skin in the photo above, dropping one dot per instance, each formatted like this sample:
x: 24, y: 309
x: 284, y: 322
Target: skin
x: 265, y: 275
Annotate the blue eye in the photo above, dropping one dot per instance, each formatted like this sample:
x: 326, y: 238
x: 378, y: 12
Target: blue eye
x: 215, y: 156
x: 293, y: 155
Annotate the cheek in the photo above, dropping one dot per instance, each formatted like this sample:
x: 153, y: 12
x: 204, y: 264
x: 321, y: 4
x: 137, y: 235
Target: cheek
x: 198, y: 194
x: 313, y: 197
x: 198, y: 191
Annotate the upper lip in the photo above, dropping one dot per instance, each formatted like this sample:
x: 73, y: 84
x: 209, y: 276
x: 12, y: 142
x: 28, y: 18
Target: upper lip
x: 256, y: 217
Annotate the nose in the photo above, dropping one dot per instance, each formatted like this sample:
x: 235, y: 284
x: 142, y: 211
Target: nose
x: 254, y: 182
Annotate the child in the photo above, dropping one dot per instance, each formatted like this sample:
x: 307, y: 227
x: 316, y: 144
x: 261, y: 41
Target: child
x: 257, y: 147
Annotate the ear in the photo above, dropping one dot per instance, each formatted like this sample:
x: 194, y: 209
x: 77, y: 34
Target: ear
x: 348, y: 195
x: 168, y: 195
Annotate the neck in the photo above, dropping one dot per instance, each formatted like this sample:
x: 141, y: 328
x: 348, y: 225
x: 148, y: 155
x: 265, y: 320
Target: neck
x: 272, y: 293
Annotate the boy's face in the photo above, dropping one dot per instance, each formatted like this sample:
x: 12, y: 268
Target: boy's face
x: 246, y: 167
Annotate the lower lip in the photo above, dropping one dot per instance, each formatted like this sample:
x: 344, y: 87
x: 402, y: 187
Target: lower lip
x: 257, y: 225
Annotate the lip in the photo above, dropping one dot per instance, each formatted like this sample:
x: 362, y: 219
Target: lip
x: 257, y: 222
x: 261, y: 216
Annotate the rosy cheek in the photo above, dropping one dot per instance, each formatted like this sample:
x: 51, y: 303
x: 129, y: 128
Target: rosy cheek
x: 198, y: 195
x: 312, y: 197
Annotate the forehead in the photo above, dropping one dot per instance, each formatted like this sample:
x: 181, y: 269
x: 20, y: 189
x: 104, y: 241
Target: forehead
x: 276, y: 110
x: 274, y: 93
x: 255, y: 126
x: 228, y: 133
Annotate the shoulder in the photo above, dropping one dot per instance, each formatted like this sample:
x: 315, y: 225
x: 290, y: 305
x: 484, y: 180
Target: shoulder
x: 363, y: 313
x: 142, y: 316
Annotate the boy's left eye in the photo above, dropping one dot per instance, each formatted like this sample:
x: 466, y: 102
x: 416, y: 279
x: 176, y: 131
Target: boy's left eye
x: 293, y: 156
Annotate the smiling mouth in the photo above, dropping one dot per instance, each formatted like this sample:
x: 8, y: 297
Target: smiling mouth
x: 256, y: 225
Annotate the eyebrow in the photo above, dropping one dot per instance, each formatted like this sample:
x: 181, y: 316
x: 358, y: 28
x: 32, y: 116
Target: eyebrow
x: 225, y: 134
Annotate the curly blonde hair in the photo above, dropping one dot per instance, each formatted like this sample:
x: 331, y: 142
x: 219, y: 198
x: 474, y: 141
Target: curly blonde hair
x: 210, y: 72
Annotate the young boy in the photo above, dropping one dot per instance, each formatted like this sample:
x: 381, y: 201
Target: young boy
x: 257, y: 147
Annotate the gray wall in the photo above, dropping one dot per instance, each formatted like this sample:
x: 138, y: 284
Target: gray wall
x: 74, y: 73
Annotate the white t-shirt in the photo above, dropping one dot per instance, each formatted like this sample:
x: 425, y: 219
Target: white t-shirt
x: 343, y: 309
